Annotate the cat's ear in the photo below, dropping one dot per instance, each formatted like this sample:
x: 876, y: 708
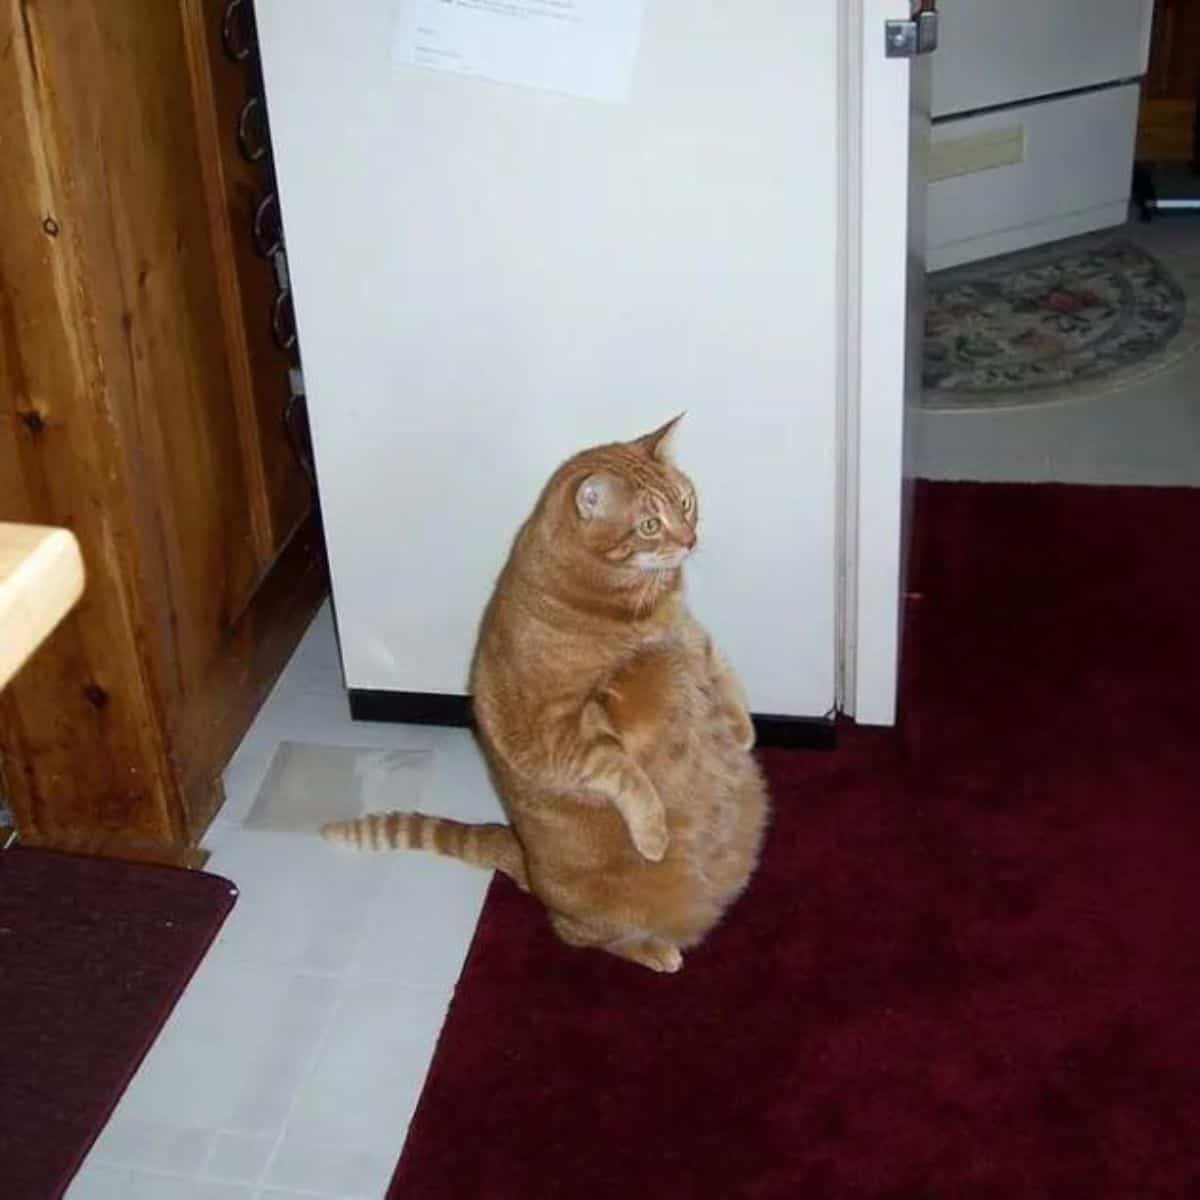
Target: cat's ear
x: 657, y: 444
x: 597, y: 495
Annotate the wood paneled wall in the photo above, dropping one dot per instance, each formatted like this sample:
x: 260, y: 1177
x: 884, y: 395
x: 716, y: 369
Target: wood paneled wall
x: 141, y: 402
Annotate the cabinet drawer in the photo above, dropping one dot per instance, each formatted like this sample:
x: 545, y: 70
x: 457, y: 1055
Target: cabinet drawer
x: 1073, y: 175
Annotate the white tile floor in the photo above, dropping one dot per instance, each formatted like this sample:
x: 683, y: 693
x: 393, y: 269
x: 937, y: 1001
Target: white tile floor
x: 292, y: 1064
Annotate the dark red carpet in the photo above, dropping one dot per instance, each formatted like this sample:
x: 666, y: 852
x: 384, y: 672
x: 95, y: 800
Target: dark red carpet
x: 93, y: 956
x: 970, y: 964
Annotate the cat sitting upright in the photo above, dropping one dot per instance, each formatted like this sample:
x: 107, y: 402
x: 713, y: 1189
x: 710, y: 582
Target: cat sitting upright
x: 617, y: 736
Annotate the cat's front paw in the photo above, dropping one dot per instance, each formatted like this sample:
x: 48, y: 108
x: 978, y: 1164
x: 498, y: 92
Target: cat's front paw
x: 649, y: 833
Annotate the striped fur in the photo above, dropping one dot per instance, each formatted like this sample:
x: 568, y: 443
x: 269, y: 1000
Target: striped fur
x: 493, y: 847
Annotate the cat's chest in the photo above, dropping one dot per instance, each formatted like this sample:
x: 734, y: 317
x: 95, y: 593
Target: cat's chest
x: 652, y: 641
x: 663, y: 631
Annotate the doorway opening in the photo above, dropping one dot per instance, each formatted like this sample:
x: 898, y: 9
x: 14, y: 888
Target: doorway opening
x: 1063, y: 331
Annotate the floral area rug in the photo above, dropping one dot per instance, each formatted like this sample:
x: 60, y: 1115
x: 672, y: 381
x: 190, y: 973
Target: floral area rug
x: 1028, y: 328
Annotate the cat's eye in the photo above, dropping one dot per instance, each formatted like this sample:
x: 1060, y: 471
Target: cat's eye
x: 689, y: 503
x: 649, y: 526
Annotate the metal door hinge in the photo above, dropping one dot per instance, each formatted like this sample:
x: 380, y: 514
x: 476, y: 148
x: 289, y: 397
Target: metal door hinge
x: 917, y: 35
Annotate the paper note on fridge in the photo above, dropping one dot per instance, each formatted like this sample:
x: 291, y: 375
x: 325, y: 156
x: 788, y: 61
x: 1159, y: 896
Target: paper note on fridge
x: 581, y: 47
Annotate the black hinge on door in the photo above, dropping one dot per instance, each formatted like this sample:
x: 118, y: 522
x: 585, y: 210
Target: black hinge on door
x: 918, y: 35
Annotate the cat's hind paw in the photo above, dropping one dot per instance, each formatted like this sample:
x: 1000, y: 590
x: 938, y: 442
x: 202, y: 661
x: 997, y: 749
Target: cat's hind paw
x: 658, y: 955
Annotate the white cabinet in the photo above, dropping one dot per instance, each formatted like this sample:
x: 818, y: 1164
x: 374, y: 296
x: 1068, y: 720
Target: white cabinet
x: 1072, y: 176
x: 1035, y: 107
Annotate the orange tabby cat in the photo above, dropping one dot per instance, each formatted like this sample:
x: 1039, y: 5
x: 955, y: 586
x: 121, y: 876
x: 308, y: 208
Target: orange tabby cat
x: 617, y: 737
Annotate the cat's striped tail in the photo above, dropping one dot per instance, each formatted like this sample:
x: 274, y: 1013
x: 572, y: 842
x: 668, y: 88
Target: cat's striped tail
x: 490, y: 846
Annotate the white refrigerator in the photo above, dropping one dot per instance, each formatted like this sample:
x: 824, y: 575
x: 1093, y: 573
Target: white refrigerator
x: 489, y: 276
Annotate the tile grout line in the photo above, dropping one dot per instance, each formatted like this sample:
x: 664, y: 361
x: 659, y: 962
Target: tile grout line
x: 252, y: 1189
x: 202, y: 1170
x: 308, y: 1072
x: 309, y: 1068
x: 442, y: 995
x: 342, y: 986
x: 339, y: 980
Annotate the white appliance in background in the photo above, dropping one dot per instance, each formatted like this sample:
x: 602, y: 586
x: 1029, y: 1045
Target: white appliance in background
x: 489, y: 276
x: 1035, y: 107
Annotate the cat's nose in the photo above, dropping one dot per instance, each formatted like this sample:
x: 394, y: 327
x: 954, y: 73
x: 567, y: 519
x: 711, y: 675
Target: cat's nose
x: 688, y: 539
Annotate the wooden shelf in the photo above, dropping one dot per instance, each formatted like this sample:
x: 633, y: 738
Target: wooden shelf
x: 41, y: 578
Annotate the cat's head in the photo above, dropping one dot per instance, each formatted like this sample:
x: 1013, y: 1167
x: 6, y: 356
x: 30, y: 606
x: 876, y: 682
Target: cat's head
x: 630, y: 506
